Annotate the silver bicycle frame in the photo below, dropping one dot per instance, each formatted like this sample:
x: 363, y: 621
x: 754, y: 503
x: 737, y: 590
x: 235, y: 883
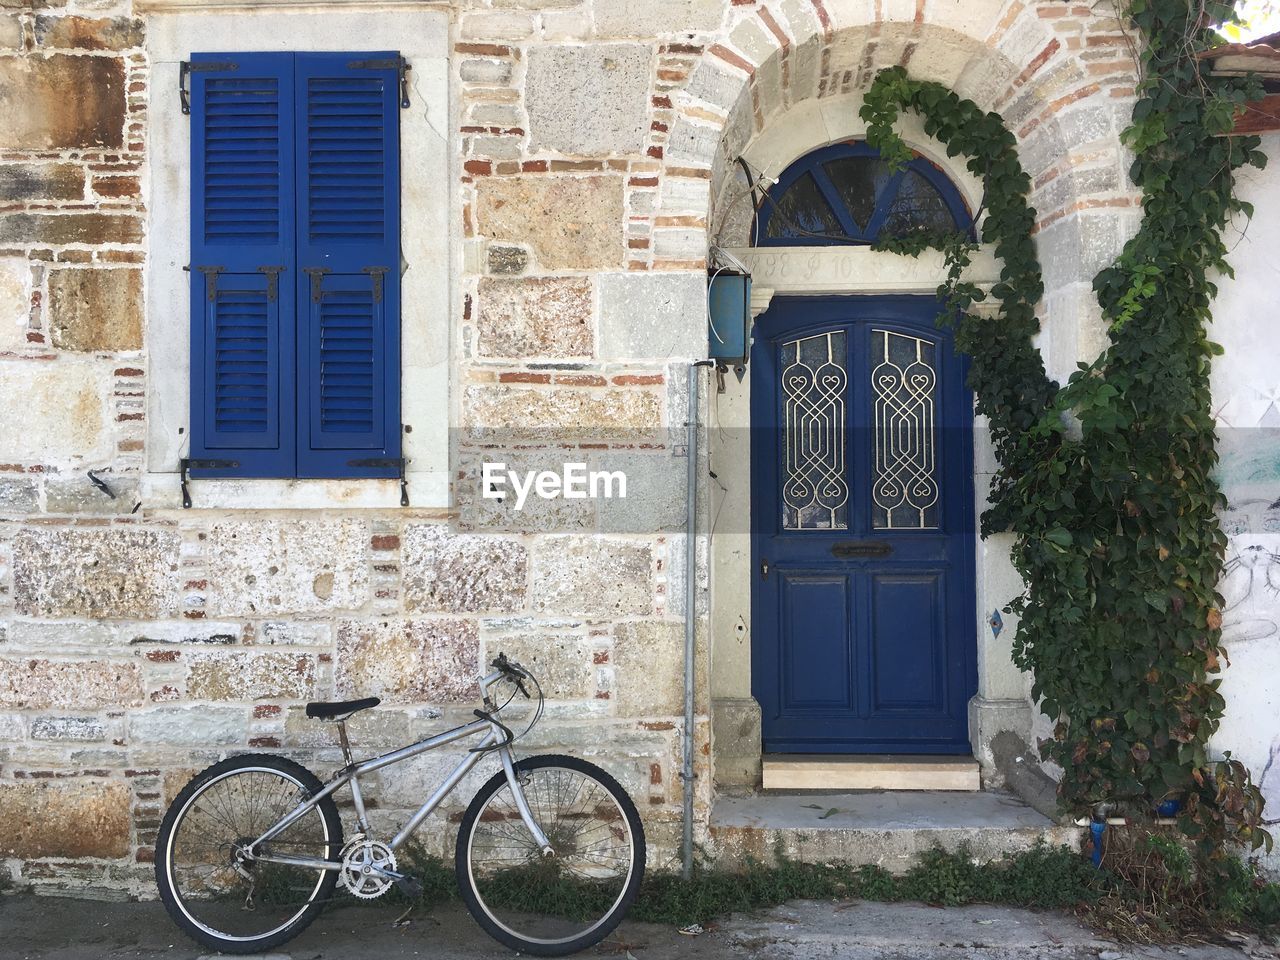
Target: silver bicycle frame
x: 352, y: 772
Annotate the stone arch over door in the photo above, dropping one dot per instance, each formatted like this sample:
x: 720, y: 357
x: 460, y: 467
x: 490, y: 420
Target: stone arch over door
x: 1062, y: 78
x: 788, y: 79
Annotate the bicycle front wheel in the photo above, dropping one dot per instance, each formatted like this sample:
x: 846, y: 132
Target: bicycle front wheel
x: 211, y: 883
x: 557, y: 905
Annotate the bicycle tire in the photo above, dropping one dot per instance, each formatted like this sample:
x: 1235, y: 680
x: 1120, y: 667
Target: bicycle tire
x: 175, y: 904
x: 484, y: 914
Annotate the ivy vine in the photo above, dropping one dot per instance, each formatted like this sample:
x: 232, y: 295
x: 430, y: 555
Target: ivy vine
x: 1107, y: 483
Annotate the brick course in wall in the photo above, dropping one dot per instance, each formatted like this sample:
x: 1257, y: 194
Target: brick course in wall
x: 595, y: 143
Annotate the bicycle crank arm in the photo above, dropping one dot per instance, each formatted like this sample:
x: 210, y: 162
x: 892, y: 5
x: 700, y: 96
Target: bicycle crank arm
x: 411, y: 887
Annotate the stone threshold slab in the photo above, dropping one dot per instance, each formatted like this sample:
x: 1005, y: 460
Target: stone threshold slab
x: 878, y: 811
x: 826, y: 772
x: 890, y: 829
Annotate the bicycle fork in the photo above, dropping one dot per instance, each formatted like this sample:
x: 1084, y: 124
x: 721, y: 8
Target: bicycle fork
x: 522, y: 805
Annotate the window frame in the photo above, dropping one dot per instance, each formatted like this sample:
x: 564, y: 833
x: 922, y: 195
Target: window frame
x: 813, y: 164
x: 429, y: 235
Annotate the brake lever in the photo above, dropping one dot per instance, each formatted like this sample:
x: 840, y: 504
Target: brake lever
x: 512, y: 673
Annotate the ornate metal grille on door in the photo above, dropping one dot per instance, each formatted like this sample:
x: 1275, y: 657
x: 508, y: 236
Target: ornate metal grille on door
x: 815, y: 493
x: 903, y: 383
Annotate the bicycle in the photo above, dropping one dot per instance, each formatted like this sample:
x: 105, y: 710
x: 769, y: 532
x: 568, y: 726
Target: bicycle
x: 549, y: 856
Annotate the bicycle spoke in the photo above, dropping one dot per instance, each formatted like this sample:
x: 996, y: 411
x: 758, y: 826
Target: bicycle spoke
x: 225, y: 892
x: 565, y: 896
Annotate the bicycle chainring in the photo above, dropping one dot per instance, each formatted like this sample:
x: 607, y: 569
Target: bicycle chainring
x: 363, y: 863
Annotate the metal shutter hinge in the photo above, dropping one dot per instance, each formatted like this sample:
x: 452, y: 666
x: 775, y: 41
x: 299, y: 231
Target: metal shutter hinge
x: 273, y: 280
x: 399, y: 64
x: 187, y: 463
x: 317, y: 278
x: 210, y: 279
x: 376, y: 274
x: 187, y: 67
x: 381, y: 463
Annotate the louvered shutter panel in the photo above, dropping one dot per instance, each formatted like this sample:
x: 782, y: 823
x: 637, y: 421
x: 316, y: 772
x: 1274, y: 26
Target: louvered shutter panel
x: 348, y: 174
x: 242, y: 284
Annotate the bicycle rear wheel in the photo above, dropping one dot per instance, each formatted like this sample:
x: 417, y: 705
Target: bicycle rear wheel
x: 551, y: 906
x: 218, y: 896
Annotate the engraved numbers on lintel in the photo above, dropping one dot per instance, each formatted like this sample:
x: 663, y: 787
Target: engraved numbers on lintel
x: 815, y: 492
x: 904, y: 381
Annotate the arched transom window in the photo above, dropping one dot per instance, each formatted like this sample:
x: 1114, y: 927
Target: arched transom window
x: 846, y: 194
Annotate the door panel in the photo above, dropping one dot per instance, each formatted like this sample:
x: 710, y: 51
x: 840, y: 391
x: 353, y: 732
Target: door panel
x: 816, y: 613
x: 863, y: 634
x: 907, y: 664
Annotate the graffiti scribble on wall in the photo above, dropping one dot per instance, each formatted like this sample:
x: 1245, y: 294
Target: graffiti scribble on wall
x: 1249, y: 473
x: 1269, y: 784
x: 1251, y: 583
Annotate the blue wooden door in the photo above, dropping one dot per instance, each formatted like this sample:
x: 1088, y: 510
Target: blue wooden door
x: 863, y: 610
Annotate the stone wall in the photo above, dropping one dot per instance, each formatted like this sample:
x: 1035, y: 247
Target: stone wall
x: 135, y: 653
x: 139, y: 642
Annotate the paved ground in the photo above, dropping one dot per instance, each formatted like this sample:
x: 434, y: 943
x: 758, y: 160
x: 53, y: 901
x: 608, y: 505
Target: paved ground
x: 45, y: 927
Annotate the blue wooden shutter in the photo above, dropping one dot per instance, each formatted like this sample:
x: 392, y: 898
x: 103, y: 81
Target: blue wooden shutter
x: 348, y: 286
x: 242, y: 259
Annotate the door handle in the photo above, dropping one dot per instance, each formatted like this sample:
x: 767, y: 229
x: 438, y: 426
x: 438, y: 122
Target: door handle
x: 861, y: 548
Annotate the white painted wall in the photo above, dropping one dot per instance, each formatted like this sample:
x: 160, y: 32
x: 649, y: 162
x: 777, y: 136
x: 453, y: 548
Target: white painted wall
x: 1246, y: 394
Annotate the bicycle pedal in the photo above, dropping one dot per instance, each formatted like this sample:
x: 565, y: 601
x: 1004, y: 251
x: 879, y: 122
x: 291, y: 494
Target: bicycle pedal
x: 410, y: 887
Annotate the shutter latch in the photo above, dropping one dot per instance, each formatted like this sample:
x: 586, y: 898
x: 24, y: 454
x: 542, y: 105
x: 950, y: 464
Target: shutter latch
x: 187, y: 67
x: 400, y: 65
x: 317, y: 279
x: 273, y: 280
x: 376, y: 274
x: 381, y: 463
x: 186, y: 464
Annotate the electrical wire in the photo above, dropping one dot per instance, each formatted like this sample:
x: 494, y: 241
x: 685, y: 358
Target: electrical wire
x: 537, y: 713
x: 711, y: 325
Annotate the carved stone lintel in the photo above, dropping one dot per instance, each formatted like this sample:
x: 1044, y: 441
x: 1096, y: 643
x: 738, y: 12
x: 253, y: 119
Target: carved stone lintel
x: 852, y: 270
x: 761, y: 296
x: 989, y: 308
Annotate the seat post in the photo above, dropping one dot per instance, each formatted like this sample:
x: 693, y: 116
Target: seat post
x: 342, y: 739
x: 356, y: 797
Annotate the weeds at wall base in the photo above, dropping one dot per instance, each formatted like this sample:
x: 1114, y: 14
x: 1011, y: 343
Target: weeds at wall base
x: 1148, y: 891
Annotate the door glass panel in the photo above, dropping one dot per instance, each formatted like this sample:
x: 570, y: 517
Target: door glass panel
x: 917, y: 207
x: 815, y: 493
x: 859, y: 181
x: 904, y: 384
x: 802, y: 211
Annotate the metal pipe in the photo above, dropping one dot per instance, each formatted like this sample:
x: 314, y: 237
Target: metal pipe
x: 690, y: 613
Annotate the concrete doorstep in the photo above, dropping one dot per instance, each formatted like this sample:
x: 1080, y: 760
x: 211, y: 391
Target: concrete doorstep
x: 47, y: 928
x: 887, y: 828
